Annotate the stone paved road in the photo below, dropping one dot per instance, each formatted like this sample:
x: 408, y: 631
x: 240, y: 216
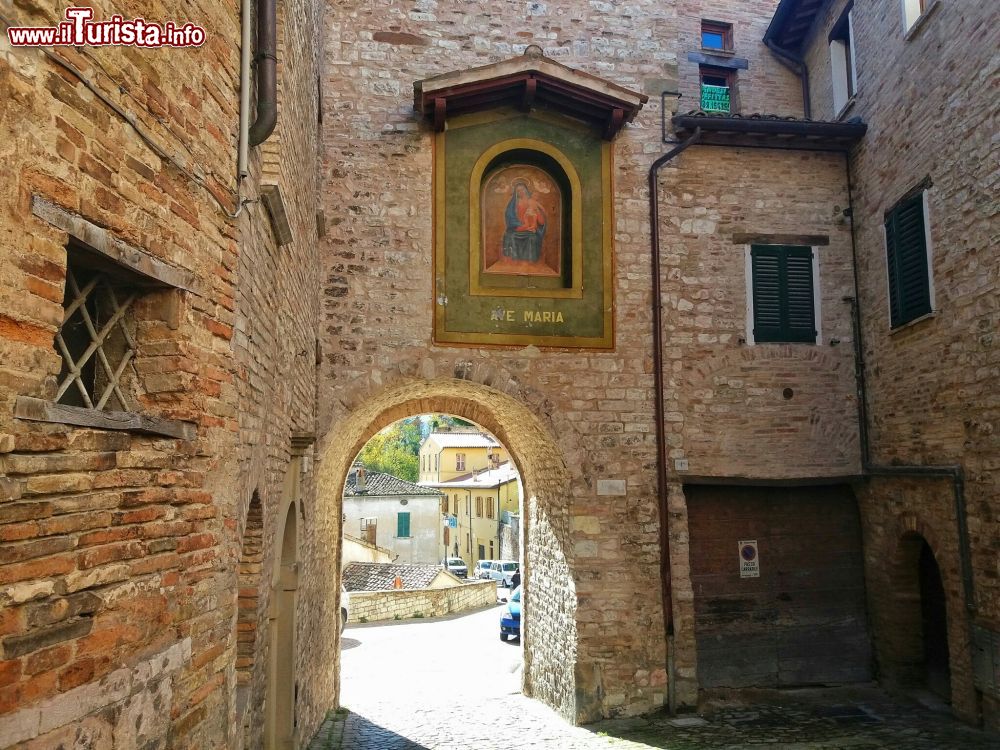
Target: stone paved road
x: 450, y: 684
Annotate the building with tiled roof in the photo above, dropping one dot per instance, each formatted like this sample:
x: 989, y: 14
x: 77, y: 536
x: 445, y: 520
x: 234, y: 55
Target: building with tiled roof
x: 362, y: 576
x: 390, y: 512
x: 480, y: 504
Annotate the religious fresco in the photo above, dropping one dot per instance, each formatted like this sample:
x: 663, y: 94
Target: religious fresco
x: 521, y: 210
x: 523, y: 254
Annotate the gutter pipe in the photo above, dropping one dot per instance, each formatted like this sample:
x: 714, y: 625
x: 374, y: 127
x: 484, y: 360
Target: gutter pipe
x: 954, y: 472
x: 661, y: 441
x: 798, y: 66
x: 242, y: 171
x: 267, y: 77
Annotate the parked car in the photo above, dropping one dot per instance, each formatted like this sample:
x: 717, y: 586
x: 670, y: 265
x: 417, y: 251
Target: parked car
x: 345, y: 607
x: 510, y: 620
x: 482, y: 569
x: 502, y: 571
x: 457, y: 566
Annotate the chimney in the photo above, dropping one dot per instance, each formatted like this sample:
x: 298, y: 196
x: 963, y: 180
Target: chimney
x: 362, y: 480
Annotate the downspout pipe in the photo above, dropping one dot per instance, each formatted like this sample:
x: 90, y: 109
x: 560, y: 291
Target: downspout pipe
x: 798, y: 66
x: 954, y: 472
x: 660, y: 407
x: 267, y: 73
x: 246, y: 24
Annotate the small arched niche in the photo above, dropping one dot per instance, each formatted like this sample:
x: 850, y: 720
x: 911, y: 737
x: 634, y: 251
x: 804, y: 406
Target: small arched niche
x: 528, y: 209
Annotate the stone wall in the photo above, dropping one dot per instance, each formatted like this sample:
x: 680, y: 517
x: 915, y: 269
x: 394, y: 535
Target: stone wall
x: 373, y: 606
x: 932, y: 393
x: 120, y: 547
x: 581, y: 547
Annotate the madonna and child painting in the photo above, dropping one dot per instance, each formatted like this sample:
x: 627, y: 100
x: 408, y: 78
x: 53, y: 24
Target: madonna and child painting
x: 521, y: 222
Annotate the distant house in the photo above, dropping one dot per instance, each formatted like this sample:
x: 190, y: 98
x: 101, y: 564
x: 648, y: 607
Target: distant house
x: 482, y: 504
x: 382, y: 577
x: 389, y: 512
x: 445, y: 455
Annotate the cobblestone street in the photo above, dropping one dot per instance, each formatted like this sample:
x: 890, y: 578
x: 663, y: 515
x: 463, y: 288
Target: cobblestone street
x: 450, y: 684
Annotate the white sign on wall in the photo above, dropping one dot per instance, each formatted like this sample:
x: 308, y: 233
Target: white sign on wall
x: 749, y: 559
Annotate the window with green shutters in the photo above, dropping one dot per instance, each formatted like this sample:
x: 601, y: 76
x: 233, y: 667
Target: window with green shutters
x: 402, y: 524
x: 783, y: 305
x: 906, y: 257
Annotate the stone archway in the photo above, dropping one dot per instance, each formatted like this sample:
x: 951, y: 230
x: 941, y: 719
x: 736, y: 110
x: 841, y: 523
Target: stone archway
x: 549, y: 631
x: 920, y: 649
x: 279, y: 730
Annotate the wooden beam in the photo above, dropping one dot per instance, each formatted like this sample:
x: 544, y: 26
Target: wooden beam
x: 38, y: 410
x: 439, y: 113
x: 104, y: 243
x: 528, y: 97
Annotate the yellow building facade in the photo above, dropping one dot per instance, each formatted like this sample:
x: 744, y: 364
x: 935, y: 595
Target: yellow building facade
x: 476, y: 502
x: 447, y: 455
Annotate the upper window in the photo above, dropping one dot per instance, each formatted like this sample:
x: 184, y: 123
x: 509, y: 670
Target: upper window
x: 402, y: 525
x: 716, y: 36
x: 716, y: 88
x: 459, y: 462
x: 907, y: 253
x: 842, y: 61
x: 479, y: 507
x: 489, y: 507
x: 912, y: 11
x: 783, y: 305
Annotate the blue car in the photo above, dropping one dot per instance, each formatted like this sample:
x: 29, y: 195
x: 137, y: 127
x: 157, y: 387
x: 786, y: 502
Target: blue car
x: 510, y: 620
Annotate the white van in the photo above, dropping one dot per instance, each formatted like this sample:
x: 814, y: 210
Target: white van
x: 502, y: 571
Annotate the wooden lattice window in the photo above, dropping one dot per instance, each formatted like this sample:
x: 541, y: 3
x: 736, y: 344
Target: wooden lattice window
x: 97, y: 338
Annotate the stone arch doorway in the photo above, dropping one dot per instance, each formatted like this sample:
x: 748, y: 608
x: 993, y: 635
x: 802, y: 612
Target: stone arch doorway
x: 549, y: 634
x: 921, y: 658
x: 279, y: 732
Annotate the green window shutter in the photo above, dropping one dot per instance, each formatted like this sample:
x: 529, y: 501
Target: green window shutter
x: 906, y: 258
x: 402, y: 524
x: 782, y: 278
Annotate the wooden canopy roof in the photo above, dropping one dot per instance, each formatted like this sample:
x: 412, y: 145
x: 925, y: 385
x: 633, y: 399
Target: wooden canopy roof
x: 527, y: 81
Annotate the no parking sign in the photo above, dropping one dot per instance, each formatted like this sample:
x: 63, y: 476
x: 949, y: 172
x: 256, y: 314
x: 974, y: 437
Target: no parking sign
x: 749, y: 559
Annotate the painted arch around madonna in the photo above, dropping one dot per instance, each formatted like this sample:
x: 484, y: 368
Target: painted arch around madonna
x: 523, y: 255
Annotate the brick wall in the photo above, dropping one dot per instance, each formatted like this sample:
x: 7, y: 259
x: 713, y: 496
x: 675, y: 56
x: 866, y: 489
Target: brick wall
x: 120, y: 548
x: 766, y: 85
x: 931, y: 385
x: 372, y: 606
x: 589, y: 558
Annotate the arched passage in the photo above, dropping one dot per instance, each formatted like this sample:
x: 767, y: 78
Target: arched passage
x: 280, y: 709
x: 549, y: 630
x: 921, y: 654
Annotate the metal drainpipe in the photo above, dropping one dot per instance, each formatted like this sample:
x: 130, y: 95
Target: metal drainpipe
x: 798, y: 66
x: 267, y: 73
x: 954, y: 472
x: 661, y: 447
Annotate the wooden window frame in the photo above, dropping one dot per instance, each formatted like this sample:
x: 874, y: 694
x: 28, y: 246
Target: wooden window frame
x: 479, y: 506
x: 111, y: 258
x: 725, y: 30
x: 726, y: 73
x: 751, y: 336
x: 399, y: 524
x: 843, y: 62
x: 459, y: 462
x: 905, y: 317
x: 489, y: 508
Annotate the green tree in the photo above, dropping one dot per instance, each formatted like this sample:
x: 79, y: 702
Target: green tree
x: 394, y: 451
